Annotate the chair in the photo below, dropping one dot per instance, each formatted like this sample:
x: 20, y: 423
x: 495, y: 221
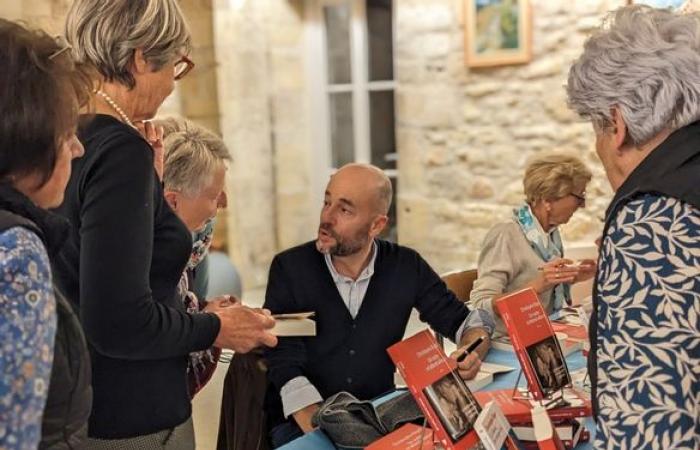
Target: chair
x: 460, y: 282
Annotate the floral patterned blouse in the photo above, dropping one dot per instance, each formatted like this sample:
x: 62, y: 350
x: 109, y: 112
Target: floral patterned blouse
x: 27, y: 332
x: 649, y: 327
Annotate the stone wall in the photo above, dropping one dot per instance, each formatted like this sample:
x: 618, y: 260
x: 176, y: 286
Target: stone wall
x: 464, y: 134
x: 263, y: 101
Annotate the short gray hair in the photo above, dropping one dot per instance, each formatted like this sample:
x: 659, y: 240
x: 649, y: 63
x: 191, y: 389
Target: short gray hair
x: 106, y: 33
x: 551, y: 176
x: 644, y: 61
x: 192, y: 154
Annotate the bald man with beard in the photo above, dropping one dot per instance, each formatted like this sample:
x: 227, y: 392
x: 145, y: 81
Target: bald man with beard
x: 362, y: 290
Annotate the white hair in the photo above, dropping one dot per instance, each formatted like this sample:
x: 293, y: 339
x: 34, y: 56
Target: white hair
x: 644, y: 61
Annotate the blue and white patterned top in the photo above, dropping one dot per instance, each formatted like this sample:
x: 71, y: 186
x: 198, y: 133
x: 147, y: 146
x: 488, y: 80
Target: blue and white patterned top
x: 27, y: 332
x: 648, y: 327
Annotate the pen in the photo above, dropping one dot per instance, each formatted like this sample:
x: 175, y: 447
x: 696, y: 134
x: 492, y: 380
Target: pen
x: 470, y: 348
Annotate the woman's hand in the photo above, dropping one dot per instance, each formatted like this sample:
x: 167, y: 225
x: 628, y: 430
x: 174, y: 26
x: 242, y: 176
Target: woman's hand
x: 586, y: 270
x: 556, y: 271
x: 222, y: 301
x: 154, y: 136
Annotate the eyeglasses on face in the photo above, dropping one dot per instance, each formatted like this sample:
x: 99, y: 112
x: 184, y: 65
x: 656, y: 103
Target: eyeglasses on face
x: 183, y: 67
x: 580, y: 198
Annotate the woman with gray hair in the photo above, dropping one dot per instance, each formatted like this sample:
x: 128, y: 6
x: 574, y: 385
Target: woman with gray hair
x: 194, y: 175
x: 123, y: 260
x: 527, y: 250
x: 638, y: 82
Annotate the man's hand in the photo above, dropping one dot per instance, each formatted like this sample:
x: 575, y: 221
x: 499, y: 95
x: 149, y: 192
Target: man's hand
x: 303, y: 417
x: 243, y: 328
x: 469, y: 367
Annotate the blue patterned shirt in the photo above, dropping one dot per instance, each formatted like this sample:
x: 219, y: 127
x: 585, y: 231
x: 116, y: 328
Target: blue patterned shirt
x: 27, y: 332
x: 648, y: 337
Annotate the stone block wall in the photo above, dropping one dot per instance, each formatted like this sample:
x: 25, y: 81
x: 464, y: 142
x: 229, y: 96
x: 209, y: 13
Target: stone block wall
x: 464, y: 135
x: 264, y: 119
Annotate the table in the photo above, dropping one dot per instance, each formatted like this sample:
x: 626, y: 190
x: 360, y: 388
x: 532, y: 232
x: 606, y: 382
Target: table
x: 317, y: 440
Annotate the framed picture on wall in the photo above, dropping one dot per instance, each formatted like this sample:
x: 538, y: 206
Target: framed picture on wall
x: 673, y: 4
x: 497, y: 32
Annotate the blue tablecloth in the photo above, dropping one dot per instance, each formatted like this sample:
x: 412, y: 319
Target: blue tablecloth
x: 317, y: 440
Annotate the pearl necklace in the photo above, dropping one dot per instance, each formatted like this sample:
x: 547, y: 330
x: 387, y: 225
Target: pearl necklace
x: 115, y: 107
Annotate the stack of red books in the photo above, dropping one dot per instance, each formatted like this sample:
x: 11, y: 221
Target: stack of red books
x: 567, y: 417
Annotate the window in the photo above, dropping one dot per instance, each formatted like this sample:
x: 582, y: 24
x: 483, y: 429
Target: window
x: 351, y: 74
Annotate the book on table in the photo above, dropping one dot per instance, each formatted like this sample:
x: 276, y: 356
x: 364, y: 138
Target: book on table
x: 534, y: 342
x: 432, y: 378
x: 545, y: 433
x: 518, y: 411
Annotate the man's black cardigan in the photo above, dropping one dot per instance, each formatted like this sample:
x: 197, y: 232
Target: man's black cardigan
x: 350, y: 354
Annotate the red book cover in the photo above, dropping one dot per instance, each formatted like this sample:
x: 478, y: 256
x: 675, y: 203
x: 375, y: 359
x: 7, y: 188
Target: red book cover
x: 440, y: 392
x: 585, y: 436
x: 535, y: 344
x: 518, y: 411
x: 408, y: 437
x: 545, y: 433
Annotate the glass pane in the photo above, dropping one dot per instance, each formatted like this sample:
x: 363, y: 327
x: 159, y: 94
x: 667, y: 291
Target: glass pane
x: 382, y: 136
x: 337, y: 21
x: 342, y: 138
x: 380, y: 40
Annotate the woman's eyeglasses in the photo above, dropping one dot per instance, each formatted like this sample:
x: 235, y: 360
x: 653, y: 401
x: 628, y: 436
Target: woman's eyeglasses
x: 581, y: 199
x: 183, y: 67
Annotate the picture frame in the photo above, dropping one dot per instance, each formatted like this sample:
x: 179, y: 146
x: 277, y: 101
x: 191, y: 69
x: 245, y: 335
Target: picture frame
x: 672, y: 4
x: 497, y: 32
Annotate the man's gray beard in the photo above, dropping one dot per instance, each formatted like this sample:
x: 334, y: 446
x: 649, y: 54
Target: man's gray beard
x: 341, y: 248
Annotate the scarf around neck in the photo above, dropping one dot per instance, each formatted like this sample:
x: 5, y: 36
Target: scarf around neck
x: 547, y: 245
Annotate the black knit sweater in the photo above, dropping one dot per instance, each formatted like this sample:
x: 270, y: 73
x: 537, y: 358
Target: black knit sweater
x: 350, y: 354
x: 121, y: 265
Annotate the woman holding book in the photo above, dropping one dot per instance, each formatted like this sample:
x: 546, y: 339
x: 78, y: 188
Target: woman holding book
x: 527, y: 251
x: 124, y: 257
x: 194, y: 177
x: 638, y: 82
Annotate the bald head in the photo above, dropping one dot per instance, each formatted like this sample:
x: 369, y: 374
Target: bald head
x: 370, y: 179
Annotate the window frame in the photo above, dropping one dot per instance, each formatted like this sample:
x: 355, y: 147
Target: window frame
x: 360, y: 88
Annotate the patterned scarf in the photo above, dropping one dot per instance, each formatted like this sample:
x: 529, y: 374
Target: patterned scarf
x: 198, y: 361
x: 547, y: 245
x: 202, y: 241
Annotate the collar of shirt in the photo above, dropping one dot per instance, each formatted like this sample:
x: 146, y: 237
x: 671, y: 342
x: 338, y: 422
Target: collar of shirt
x: 366, y: 273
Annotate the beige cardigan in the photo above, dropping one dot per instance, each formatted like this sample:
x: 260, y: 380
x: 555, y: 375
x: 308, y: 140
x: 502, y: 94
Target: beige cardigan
x: 506, y: 264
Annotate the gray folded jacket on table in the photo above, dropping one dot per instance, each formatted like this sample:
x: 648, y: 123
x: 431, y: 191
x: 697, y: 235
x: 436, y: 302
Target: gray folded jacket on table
x: 353, y: 423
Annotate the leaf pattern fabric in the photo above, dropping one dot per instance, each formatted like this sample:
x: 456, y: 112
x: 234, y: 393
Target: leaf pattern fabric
x: 648, y: 331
